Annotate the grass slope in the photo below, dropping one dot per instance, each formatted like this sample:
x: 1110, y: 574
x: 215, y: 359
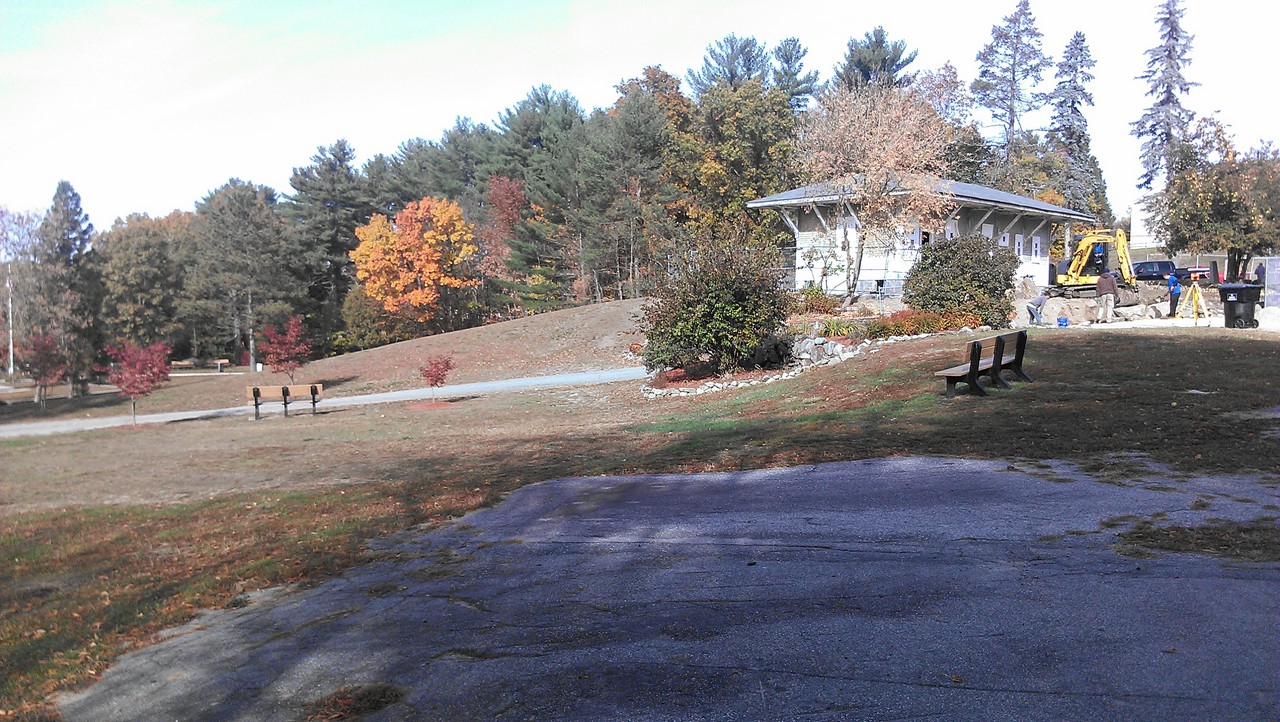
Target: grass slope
x: 114, y: 535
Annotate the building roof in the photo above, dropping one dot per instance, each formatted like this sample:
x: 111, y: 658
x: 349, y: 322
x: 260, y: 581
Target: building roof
x: 965, y: 194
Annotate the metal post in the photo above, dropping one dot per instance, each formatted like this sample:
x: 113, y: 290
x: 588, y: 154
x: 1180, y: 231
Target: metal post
x: 9, y: 284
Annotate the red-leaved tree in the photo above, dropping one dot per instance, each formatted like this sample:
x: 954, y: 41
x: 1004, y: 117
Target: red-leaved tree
x: 288, y: 350
x: 138, y: 370
x: 436, y: 371
x: 43, y: 360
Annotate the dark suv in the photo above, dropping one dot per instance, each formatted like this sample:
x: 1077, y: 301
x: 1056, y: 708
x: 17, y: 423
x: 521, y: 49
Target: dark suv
x: 1153, y: 270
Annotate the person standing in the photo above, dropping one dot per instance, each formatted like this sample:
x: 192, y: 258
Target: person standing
x: 1175, y: 293
x: 1107, y: 292
x: 1260, y: 275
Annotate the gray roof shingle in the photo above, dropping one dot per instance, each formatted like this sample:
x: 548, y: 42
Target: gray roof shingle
x: 965, y: 193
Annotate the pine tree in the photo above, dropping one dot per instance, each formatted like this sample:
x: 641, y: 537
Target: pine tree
x: 329, y: 201
x: 540, y: 145
x: 66, y: 284
x: 1010, y: 67
x: 789, y: 75
x: 733, y: 61
x: 246, y: 267
x: 1164, y: 125
x: 1082, y: 186
x: 874, y: 60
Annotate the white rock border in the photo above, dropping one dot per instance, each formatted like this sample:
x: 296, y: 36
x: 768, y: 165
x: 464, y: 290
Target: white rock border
x: 801, y: 362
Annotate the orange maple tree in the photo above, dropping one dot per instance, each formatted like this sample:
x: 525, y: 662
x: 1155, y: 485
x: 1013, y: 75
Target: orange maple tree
x: 405, y: 263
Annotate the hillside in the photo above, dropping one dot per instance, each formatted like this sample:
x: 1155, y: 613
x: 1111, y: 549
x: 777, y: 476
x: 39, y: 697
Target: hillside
x: 586, y: 338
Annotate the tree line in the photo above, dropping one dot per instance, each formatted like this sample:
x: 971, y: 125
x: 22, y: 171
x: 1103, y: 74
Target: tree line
x: 550, y: 205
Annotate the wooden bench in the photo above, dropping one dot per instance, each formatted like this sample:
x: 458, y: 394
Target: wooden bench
x: 182, y: 364
x: 260, y: 394
x: 220, y: 362
x: 988, y: 357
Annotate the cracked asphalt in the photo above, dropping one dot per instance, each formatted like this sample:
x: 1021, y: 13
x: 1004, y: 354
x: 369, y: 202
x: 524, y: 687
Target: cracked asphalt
x: 880, y: 589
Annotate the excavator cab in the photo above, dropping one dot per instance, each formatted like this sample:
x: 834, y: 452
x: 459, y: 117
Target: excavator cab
x: 1098, y: 251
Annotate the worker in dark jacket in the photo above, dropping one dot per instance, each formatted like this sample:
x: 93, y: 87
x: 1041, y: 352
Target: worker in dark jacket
x: 1107, y: 293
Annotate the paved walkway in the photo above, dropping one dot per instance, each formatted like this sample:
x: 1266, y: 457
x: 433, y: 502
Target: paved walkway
x: 586, y: 378
x: 884, y: 589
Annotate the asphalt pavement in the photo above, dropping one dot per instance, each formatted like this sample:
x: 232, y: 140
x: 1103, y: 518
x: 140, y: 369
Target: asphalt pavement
x: 883, y: 589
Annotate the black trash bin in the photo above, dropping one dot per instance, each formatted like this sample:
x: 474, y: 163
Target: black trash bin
x: 1238, y: 303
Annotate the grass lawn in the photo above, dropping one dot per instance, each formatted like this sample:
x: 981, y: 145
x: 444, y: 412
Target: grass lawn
x: 108, y: 537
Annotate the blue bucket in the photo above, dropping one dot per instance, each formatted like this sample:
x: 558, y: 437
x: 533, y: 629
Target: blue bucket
x: 1063, y: 322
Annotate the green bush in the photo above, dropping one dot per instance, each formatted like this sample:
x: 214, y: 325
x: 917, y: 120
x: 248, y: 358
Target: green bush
x: 837, y: 327
x: 722, y: 300
x: 971, y: 274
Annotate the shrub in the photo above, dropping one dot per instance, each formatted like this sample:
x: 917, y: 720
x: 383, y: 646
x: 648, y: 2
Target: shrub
x: 836, y: 327
x: 913, y: 322
x: 722, y: 300
x: 814, y: 300
x: 971, y: 274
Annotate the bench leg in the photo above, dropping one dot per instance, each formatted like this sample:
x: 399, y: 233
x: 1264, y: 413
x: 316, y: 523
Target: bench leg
x: 313, y: 404
x: 257, y: 404
x: 975, y: 386
x: 1022, y: 375
x: 997, y: 380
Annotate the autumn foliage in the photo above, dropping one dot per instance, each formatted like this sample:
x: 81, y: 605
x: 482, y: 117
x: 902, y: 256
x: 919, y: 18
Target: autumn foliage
x: 44, y: 361
x: 138, y: 370
x: 286, y: 350
x: 405, y: 263
x: 436, y: 371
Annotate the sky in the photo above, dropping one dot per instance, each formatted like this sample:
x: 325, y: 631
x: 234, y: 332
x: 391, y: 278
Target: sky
x: 146, y: 106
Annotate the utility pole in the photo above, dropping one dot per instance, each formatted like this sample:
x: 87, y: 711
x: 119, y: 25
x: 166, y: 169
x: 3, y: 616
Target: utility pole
x: 8, y: 282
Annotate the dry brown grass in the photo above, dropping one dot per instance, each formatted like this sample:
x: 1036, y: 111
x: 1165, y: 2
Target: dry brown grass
x: 110, y: 536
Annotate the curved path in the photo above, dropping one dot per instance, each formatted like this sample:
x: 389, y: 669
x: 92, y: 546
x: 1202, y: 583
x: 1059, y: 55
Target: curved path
x: 586, y: 378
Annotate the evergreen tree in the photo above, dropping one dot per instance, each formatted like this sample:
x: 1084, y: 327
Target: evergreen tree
x: 66, y: 285
x: 874, y: 60
x: 246, y: 268
x: 789, y: 75
x: 1082, y: 186
x: 329, y: 201
x: 540, y: 146
x: 1010, y: 67
x: 733, y: 61
x: 1164, y: 125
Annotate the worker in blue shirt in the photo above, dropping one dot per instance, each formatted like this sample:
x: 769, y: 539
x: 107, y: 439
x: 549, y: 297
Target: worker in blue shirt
x: 1175, y: 292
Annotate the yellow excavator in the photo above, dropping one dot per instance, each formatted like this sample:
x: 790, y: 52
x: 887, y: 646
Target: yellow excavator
x: 1098, y: 250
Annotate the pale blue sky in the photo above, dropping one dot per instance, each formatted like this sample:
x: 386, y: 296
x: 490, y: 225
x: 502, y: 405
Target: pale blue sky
x: 146, y: 106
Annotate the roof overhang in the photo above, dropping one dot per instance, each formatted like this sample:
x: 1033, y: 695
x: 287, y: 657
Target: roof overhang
x: 966, y: 195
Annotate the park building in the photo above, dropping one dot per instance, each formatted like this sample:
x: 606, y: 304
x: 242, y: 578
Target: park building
x: 827, y: 233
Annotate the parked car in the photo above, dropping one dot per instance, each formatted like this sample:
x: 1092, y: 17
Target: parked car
x: 1153, y: 270
x: 1199, y: 272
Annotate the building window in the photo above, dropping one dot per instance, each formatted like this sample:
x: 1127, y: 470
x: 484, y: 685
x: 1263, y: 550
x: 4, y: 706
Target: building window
x: 989, y: 231
x: 1035, y: 246
x: 1018, y: 245
x: 1004, y: 240
x: 953, y: 227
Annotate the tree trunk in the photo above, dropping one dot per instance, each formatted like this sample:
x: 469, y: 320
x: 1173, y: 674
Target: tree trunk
x: 253, y: 347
